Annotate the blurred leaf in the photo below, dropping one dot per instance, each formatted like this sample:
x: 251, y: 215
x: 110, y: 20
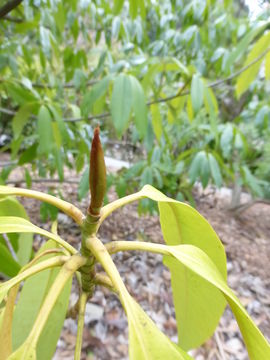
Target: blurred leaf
x: 45, y: 132
x: 97, y: 91
x: 197, y: 92
x: 139, y: 106
x: 84, y: 184
x: 156, y: 121
x: 267, y: 66
x: 215, y: 170
x: 20, y: 119
x: 248, y: 76
x: 243, y: 45
x: 121, y: 102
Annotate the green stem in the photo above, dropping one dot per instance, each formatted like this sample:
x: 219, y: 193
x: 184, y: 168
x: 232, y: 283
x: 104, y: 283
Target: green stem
x: 43, y: 265
x: 82, y: 306
x: 88, y: 271
x: 101, y: 254
x: 116, y: 246
x: 68, y: 269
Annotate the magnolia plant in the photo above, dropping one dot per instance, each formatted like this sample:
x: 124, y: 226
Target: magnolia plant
x: 34, y: 301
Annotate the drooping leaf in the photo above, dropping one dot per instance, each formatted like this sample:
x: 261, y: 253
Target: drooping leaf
x: 249, y: 75
x: 139, y: 106
x: 182, y: 224
x: 200, y: 264
x: 121, y: 102
x: 197, y: 93
x: 21, y: 118
x: 45, y: 132
x: 215, y: 170
x: 267, y: 66
x: 97, y: 91
x: 146, y: 341
x: 243, y: 44
x: 156, y: 121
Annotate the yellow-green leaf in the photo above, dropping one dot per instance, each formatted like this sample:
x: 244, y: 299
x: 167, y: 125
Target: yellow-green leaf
x: 249, y: 75
x: 12, y: 224
x: 200, y: 264
x: 182, y: 224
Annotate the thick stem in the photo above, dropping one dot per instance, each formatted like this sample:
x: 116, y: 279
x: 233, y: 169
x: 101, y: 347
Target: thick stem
x: 82, y: 306
x: 88, y: 271
x: 101, y: 254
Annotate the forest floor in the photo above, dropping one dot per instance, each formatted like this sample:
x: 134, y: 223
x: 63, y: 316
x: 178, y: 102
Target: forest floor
x: 246, y: 239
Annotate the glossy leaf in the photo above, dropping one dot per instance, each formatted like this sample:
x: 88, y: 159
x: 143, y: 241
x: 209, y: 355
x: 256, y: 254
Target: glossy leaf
x: 97, y: 91
x: 182, y: 224
x: 200, y: 264
x: 146, y: 341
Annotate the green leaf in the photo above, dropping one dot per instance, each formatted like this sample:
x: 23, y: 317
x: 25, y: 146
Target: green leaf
x: 182, y: 224
x: 121, y: 102
x: 20, y: 119
x: 97, y: 91
x: 22, y: 243
x: 45, y: 132
x: 215, y: 171
x: 146, y: 341
x: 84, y: 184
x: 201, y: 265
x: 139, y: 106
x: 267, y: 66
x: 197, y: 93
x: 156, y: 121
x: 118, y: 4
x: 195, y: 167
x: 243, y: 44
x: 248, y: 76
x: 8, y: 265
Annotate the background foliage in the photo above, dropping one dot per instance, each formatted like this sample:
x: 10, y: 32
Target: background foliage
x: 181, y: 85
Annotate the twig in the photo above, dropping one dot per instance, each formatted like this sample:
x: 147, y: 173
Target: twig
x: 242, y: 207
x: 13, y: 19
x: 8, y: 7
x: 220, y: 347
x: 15, y: 182
x: 166, y: 99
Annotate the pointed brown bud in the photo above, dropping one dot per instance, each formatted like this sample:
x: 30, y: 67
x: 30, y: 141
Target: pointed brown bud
x: 97, y: 175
